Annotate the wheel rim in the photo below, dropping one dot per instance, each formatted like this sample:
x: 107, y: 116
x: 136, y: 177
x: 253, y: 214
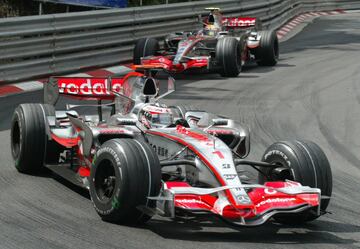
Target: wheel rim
x: 105, y: 180
x: 15, y: 139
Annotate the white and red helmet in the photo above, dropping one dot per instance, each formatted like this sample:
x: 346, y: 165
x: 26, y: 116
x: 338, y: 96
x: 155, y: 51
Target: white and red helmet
x: 155, y: 115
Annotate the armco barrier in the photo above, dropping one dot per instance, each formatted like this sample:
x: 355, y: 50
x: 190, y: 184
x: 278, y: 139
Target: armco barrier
x: 39, y: 46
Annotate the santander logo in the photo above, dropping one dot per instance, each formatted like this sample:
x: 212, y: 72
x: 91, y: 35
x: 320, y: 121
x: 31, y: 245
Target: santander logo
x: 239, y: 22
x: 286, y: 201
x: 89, y: 86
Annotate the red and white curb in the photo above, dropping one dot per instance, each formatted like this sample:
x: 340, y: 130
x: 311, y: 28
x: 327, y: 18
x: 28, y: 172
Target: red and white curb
x: 284, y: 30
x: 38, y: 84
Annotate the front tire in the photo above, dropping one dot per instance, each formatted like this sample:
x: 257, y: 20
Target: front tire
x: 145, y: 47
x: 124, y: 174
x: 307, y: 165
x: 228, y: 56
x: 267, y: 54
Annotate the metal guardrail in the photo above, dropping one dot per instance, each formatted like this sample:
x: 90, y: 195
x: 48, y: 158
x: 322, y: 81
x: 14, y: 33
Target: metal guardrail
x: 39, y: 46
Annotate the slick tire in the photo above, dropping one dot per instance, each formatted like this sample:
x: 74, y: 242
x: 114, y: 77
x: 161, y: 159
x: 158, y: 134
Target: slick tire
x: 267, y: 54
x: 28, y: 137
x: 307, y: 165
x: 228, y: 56
x: 144, y: 47
x: 124, y: 174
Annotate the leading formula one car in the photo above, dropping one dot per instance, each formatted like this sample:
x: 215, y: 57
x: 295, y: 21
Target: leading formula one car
x: 147, y: 158
x: 222, y: 46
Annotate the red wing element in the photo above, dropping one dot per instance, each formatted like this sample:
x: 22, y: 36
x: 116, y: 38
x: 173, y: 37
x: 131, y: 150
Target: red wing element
x: 239, y: 22
x: 264, y: 201
x: 148, y: 66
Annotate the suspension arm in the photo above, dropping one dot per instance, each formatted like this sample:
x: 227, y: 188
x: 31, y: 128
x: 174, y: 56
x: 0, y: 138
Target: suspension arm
x: 254, y: 163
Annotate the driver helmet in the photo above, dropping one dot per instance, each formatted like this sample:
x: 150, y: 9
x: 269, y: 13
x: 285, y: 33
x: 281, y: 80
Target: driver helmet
x: 210, y: 30
x: 157, y: 116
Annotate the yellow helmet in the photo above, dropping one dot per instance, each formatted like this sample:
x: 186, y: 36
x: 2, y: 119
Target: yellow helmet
x: 210, y: 30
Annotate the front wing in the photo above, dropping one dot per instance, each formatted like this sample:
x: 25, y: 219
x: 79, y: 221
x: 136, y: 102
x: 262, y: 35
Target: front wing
x: 168, y: 65
x: 266, y: 201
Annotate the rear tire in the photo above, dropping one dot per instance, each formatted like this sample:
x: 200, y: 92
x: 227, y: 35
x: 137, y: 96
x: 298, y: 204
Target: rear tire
x: 228, y: 56
x: 267, y: 54
x: 308, y: 165
x: 124, y: 174
x: 145, y: 47
x: 29, y: 138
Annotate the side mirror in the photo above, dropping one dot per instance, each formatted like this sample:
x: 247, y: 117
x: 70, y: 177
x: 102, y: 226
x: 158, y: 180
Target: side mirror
x: 220, y: 121
x: 150, y: 88
x: 125, y: 121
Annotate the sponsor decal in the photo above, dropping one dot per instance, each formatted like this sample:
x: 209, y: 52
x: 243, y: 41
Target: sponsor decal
x: 89, y: 86
x: 229, y: 176
x: 238, y: 22
x: 192, y: 201
x: 226, y: 166
x: 115, y: 203
x: 198, y: 136
x: 270, y: 191
x: 277, y: 152
x: 112, y: 152
x: 161, y: 151
x: 156, y: 110
x: 243, y: 199
x: 111, y: 131
x: 275, y: 200
x: 219, y: 154
x: 220, y: 132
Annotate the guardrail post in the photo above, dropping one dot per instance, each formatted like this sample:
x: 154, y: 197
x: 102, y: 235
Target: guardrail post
x: 40, y: 8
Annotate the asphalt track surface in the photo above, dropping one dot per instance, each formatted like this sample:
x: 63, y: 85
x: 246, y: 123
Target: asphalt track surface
x: 314, y: 94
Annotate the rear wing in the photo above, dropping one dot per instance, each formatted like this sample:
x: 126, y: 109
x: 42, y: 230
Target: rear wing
x: 134, y: 86
x: 241, y: 22
x: 85, y: 88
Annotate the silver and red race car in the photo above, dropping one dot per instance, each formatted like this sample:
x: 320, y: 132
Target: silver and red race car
x: 138, y: 157
x: 222, y: 46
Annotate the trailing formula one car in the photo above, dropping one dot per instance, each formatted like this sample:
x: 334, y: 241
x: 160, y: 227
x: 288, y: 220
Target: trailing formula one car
x: 223, y: 46
x: 146, y: 158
